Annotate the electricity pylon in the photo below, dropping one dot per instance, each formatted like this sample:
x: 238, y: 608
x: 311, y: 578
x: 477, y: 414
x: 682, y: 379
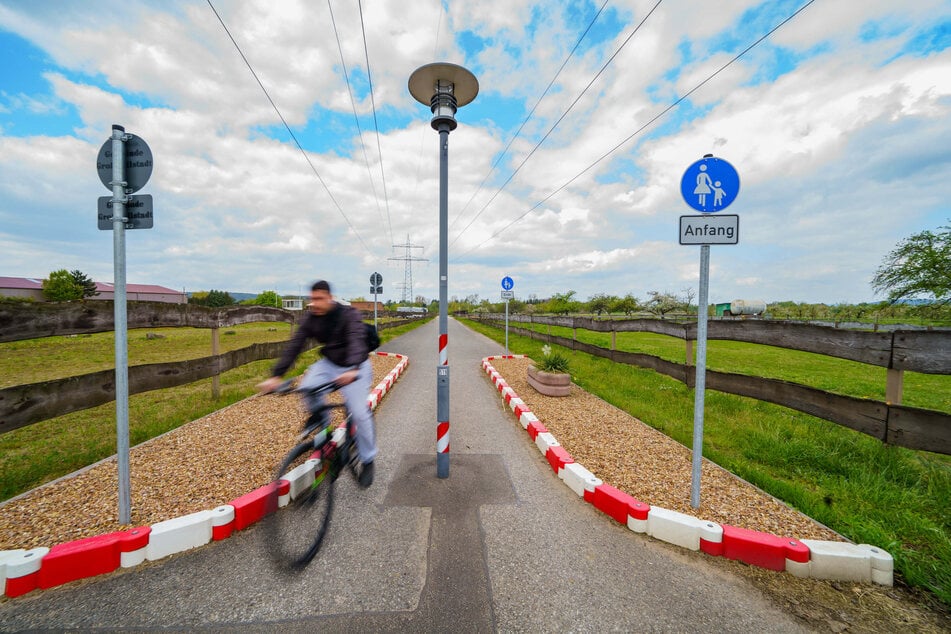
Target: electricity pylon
x: 408, y: 260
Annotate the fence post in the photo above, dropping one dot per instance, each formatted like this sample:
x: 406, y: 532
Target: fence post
x: 215, y: 349
x: 689, y: 357
x: 613, y: 339
x: 894, y: 385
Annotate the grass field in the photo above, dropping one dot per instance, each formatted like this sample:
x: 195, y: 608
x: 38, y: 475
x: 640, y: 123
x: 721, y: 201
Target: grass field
x: 870, y: 492
x: 44, y: 451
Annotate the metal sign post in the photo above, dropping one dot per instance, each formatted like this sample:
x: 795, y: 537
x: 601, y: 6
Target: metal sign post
x: 375, y: 280
x: 507, y: 293
x: 708, y: 185
x: 124, y: 170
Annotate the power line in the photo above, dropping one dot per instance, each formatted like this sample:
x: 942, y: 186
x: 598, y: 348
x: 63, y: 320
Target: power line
x: 379, y: 148
x: 537, y: 103
x: 289, y: 131
x: 356, y: 119
x: 642, y: 128
x: 552, y: 128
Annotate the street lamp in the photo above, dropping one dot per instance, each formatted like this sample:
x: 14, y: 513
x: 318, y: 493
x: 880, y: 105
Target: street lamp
x: 444, y: 88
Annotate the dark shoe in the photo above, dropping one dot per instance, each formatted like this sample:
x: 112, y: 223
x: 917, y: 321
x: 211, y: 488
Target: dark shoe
x: 366, y: 475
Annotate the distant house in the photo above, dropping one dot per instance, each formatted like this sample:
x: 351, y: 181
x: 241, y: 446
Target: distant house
x: 32, y: 288
x: 292, y: 303
x: 367, y: 307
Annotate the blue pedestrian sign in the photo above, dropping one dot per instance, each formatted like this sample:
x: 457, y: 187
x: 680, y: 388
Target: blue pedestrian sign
x: 507, y: 283
x: 710, y: 185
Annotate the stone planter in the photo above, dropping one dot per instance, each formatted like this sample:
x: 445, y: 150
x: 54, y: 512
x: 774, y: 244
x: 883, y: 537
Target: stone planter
x: 548, y: 383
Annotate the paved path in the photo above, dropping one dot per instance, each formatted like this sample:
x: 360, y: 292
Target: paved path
x: 501, y: 545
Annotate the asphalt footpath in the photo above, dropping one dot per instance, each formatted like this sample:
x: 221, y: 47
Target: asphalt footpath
x: 499, y: 545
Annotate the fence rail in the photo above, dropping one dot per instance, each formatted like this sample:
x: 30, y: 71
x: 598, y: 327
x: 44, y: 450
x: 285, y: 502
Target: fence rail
x: 914, y: 428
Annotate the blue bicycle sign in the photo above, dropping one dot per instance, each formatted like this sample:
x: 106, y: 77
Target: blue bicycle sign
x: 710, y: 185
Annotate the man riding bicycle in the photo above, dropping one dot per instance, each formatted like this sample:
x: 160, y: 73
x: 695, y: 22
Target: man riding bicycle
x: 344, y: 360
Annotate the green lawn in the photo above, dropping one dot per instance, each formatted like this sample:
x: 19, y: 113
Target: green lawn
x: 870, y: 492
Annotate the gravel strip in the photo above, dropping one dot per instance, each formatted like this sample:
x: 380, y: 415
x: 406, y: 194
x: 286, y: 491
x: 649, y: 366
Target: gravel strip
x: 657, y: 470
x: 195, y: 467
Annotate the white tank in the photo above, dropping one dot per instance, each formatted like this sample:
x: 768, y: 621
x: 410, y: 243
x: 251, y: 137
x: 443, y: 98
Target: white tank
x: 747, y: 307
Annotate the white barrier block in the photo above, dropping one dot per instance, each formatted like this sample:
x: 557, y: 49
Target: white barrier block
x: 544, y: 441
x: 710, y: 531
x: 515, y: 402
x: 580, y: 479
x: 839, y: 561
x: 797, y: 568
x: 507, y: 390
x: 221, y: 515
x: 19, y: 563
x: 883, y: 565
x: 675, y: 528
x: 527, y: 418
x: 301, y: 476
x: 132, y: 558
x: 636, y: 525
x: 25, y: 562
x: 338, y: 436
x: 178, y: 534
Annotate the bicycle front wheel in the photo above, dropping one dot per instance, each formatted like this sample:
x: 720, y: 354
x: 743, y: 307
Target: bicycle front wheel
x: 296, y: 531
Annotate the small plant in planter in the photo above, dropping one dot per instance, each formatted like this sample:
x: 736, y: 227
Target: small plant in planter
x: 550, y: 375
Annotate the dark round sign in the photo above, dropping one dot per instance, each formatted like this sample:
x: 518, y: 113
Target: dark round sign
x: 376, y: 279
x: 138, y: 163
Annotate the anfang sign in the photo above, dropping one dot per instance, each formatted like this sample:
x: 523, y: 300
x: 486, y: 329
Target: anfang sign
x: 710, y: 229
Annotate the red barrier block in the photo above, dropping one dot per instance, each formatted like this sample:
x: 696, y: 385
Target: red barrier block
x: 535, y: 428
x: 617, y: 504
x: 80, y: 559
x: 251, y: 507
x: 558, y: 457
x: 521, y: 409
x: 639, y: 510
x: 711, y: 548
x: 21, y: 585
x: 761, y: 549
x: 134, y: 539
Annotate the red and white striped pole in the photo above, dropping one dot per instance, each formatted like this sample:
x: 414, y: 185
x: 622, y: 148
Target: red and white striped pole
x: 442, y: 414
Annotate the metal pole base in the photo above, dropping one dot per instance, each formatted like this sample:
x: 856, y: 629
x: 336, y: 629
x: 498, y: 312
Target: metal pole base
x: 442, y: 465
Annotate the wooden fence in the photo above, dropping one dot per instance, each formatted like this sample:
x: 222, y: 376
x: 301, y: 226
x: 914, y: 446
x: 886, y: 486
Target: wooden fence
x: 927, y: 352
x: 23, y: 405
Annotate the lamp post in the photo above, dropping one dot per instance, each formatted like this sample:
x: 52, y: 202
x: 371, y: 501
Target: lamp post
x: 444, y: 88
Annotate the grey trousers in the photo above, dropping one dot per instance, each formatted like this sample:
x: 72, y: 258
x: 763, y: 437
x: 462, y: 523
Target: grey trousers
x: 354, y: 395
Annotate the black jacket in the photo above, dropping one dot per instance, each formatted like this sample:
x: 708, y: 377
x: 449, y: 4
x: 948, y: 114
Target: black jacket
x: 341, y: 331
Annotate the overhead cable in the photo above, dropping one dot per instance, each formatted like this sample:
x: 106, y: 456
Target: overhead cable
x: 386, y: 199
x: 640, y: 129
x: 537, y: 103
x: 289, y: 131
x: 552, y: 128
x: 356, y: 119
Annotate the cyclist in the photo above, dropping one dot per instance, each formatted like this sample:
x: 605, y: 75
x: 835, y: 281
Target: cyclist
x: 344, y: 360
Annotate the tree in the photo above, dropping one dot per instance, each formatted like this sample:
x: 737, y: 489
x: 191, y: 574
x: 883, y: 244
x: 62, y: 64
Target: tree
x: 601, y: 303
x: 61, y: 286
x: 662, y: 303
x: 212, y: 298
x: 84, y: 282
x: 268, y: 298
x: 627, y: 305
x: 919, y: 266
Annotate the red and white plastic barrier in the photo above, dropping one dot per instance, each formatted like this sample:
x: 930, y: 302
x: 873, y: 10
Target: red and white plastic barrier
x: 22, y: 571
x: 802, y: 558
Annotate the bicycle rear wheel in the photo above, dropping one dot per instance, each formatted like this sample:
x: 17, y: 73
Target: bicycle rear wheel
x: 296, y: 531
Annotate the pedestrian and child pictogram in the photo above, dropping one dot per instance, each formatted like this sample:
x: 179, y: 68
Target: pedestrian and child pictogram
x: 710, y: 185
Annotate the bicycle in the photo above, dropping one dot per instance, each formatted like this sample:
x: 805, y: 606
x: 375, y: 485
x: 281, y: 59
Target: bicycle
x: 328, y: 453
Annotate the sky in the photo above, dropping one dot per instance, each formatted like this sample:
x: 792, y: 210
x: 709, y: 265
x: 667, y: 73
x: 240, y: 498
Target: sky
x: 564, y: 172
